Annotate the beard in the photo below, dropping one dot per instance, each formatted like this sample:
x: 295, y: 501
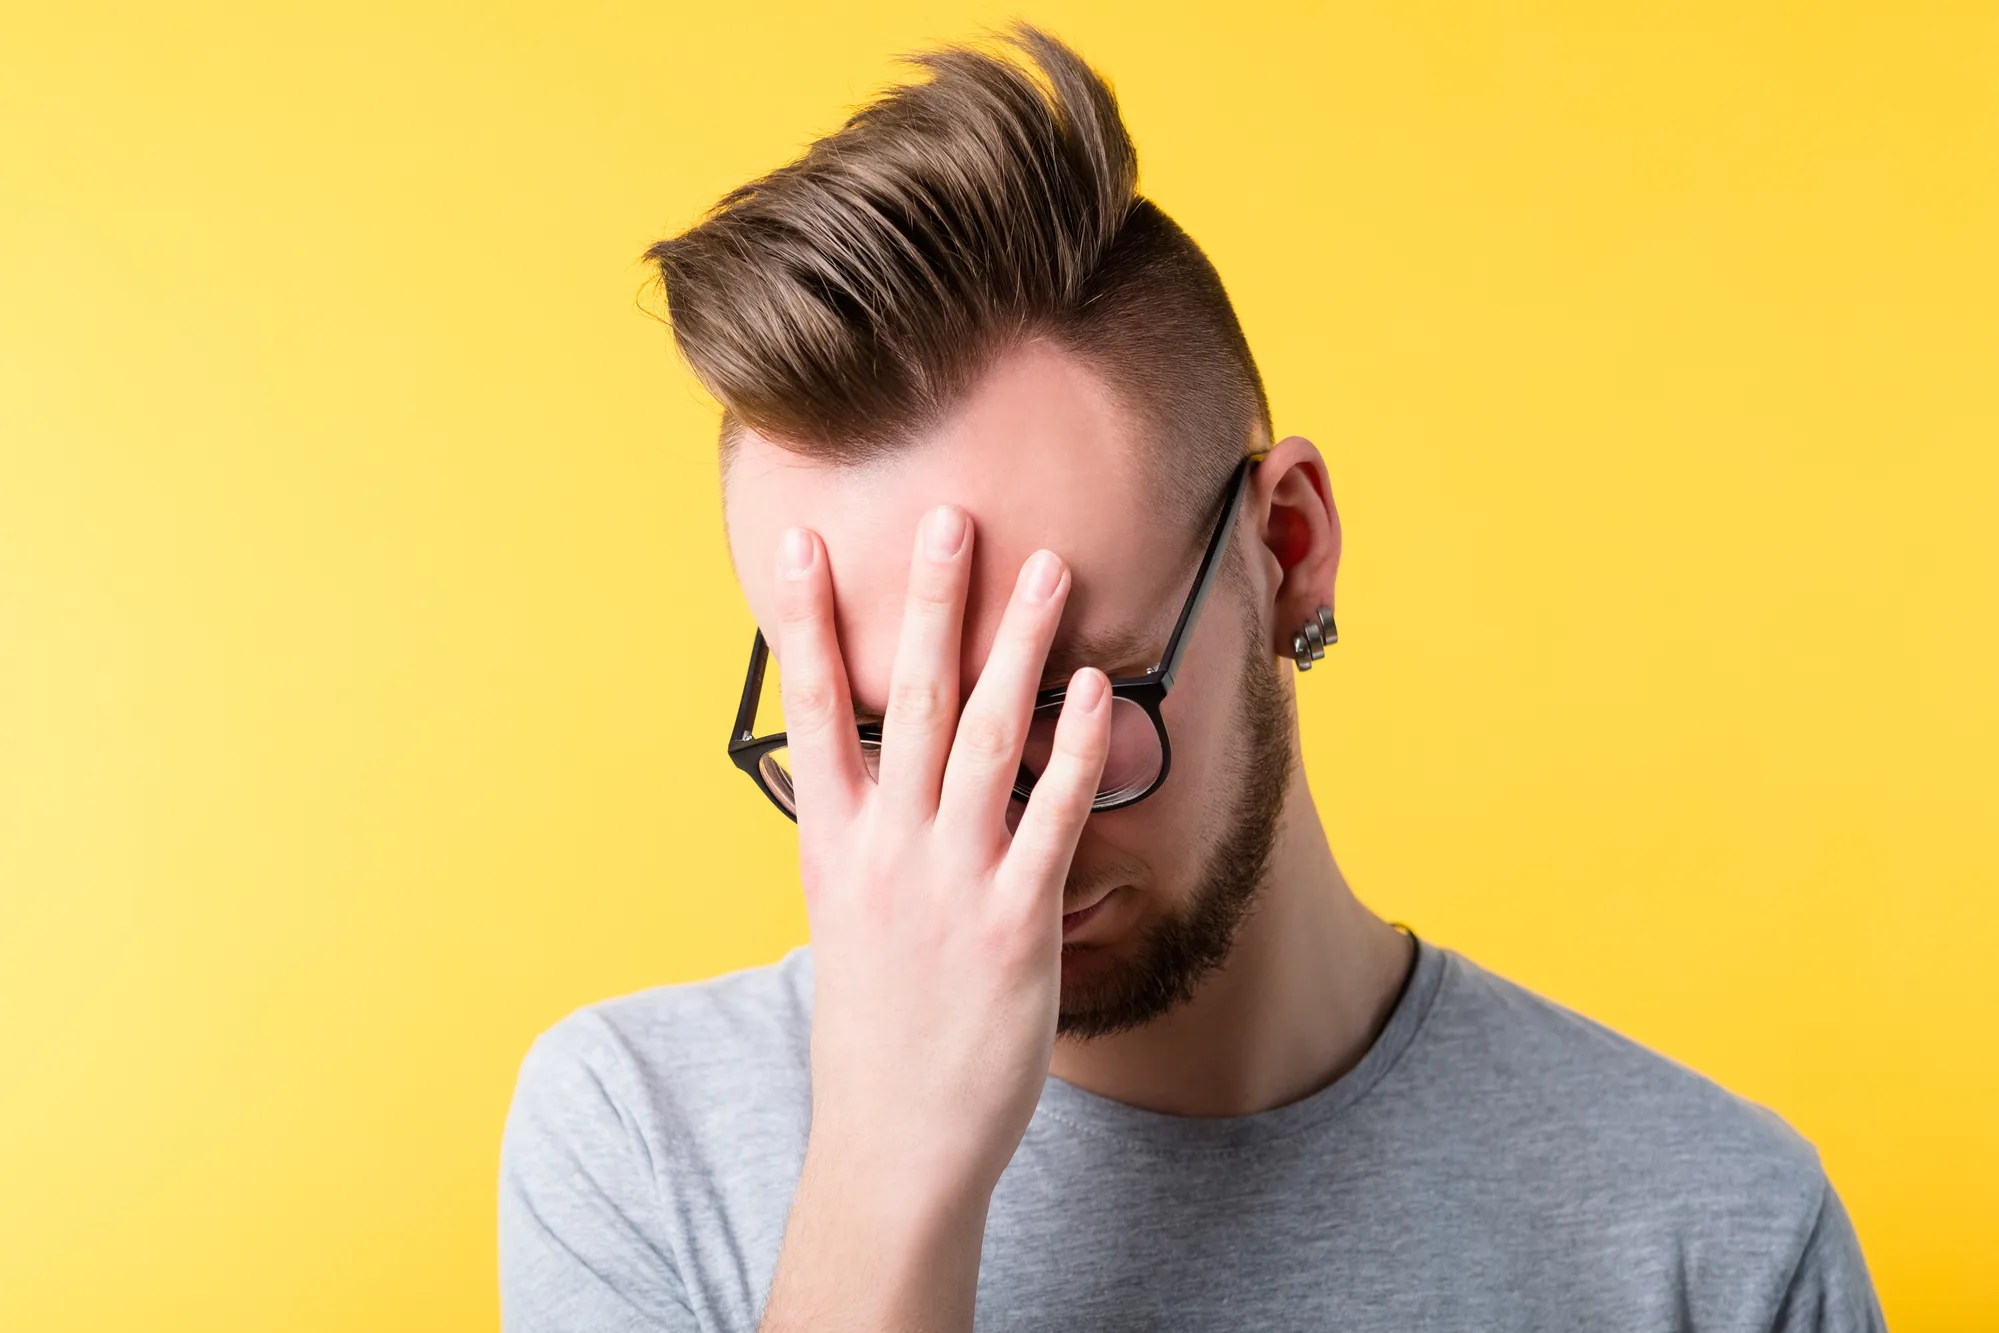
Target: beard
x: 1179, y: 949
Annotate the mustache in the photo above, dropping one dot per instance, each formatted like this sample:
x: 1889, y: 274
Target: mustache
x: 1081, y: 890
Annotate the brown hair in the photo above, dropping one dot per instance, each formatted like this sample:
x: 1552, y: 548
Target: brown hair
x: 848, y: 301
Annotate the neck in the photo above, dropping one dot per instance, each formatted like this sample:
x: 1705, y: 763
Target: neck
x: 1304, y: 992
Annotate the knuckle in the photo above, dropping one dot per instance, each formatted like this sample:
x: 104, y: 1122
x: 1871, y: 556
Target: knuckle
x: 1082, y: 746
x: 800, y: 602
x: 916, y: 700
x: 798, y: 606
x: 985, y: 738
x: 1068, y: 800
x: 934, y: 589
x: 1064, y: 821
x: 806, y: 703
x: 877, y: 911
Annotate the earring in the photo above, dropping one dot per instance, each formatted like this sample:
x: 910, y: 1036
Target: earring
x: 1308, y: 645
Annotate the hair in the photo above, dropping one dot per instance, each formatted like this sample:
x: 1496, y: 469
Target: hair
x: 845, y: 303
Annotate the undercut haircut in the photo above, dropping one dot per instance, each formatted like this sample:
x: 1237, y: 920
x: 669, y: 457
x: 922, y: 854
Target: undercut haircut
x: 849, y: 301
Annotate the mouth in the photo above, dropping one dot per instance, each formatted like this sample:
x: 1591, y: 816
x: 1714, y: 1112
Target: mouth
x: 1073, y: 921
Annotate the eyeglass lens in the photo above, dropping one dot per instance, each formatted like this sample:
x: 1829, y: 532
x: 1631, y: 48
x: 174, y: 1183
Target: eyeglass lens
x: 1131, y: 766
x: 776, y: 768
x: 1135, y: 755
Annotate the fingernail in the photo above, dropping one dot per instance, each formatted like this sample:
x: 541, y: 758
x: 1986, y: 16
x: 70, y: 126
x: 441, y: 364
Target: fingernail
x: 944, y: 536
x: 1043, y: 573
x: 794, y: 554
x: 1089, y: 688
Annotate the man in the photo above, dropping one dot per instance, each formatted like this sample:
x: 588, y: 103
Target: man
x: 1091, y: 1033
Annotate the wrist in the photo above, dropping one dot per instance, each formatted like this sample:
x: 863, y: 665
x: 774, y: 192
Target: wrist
x: 869, y: 1247
x: 908, y: 1186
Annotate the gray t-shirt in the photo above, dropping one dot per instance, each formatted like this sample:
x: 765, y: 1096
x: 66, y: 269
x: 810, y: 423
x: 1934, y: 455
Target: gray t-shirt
x: 1493, y: 1162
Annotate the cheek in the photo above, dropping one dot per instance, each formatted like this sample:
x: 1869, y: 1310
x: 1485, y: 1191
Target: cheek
x: 1168, y: 832
x: 1201, y: 716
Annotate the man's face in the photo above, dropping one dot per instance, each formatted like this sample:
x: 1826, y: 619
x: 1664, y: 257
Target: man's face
x: 1040, y: 456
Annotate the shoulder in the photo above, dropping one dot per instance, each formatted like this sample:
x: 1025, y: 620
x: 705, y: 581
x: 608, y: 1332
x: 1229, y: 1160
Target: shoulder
x: 650, y: 1144
x: 1643, y: 1174
x: 672, y: 1059
x: 1598, y: 1110
x: 751, y: 1010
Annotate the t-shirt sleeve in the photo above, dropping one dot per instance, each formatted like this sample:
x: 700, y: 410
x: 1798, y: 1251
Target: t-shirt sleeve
x: 581, y: 1247
x: 1831, y: 1291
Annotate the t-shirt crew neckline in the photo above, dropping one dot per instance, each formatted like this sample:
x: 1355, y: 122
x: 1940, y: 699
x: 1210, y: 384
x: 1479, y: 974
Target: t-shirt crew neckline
x: 1073, y: 1107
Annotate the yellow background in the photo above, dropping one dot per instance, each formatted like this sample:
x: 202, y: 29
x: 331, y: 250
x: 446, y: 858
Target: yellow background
x: 367, y: 641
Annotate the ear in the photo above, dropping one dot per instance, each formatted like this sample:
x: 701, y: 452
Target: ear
x: 1299, y: 530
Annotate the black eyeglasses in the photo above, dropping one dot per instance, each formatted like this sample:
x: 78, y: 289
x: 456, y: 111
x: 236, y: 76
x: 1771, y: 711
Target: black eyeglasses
x: 1140, y: 755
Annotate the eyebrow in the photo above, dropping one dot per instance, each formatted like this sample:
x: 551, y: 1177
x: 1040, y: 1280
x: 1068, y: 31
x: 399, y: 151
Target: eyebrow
x: 1126, y: 651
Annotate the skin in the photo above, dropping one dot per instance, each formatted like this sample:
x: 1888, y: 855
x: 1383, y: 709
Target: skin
x: 936, y: 902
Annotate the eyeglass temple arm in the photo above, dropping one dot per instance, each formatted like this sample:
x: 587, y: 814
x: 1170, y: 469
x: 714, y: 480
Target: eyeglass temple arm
x: 1204, y: 579
x: 753, y: 684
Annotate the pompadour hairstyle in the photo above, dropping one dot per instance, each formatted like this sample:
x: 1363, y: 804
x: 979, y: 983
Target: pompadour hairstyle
x: 849, y: 300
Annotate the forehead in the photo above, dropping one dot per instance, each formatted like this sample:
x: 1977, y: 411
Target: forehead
x: 1039, y: 456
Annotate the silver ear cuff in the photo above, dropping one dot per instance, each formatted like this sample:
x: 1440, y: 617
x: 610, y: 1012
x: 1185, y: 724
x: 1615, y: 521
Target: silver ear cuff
x: 1308, y: 645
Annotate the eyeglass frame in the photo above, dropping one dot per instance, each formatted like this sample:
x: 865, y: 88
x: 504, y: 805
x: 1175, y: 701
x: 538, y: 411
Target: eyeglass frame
x: 1148, y: 689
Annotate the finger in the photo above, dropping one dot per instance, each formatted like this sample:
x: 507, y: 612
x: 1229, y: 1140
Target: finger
x: 825, y: 750
x: 922, y: 708
x: 985, y: 755
x: 1045, y: 842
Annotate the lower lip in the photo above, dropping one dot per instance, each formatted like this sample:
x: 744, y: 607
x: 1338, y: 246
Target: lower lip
x: 1075, y: 920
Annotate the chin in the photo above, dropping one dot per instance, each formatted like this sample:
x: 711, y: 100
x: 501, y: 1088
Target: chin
x: 1089, y: 971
